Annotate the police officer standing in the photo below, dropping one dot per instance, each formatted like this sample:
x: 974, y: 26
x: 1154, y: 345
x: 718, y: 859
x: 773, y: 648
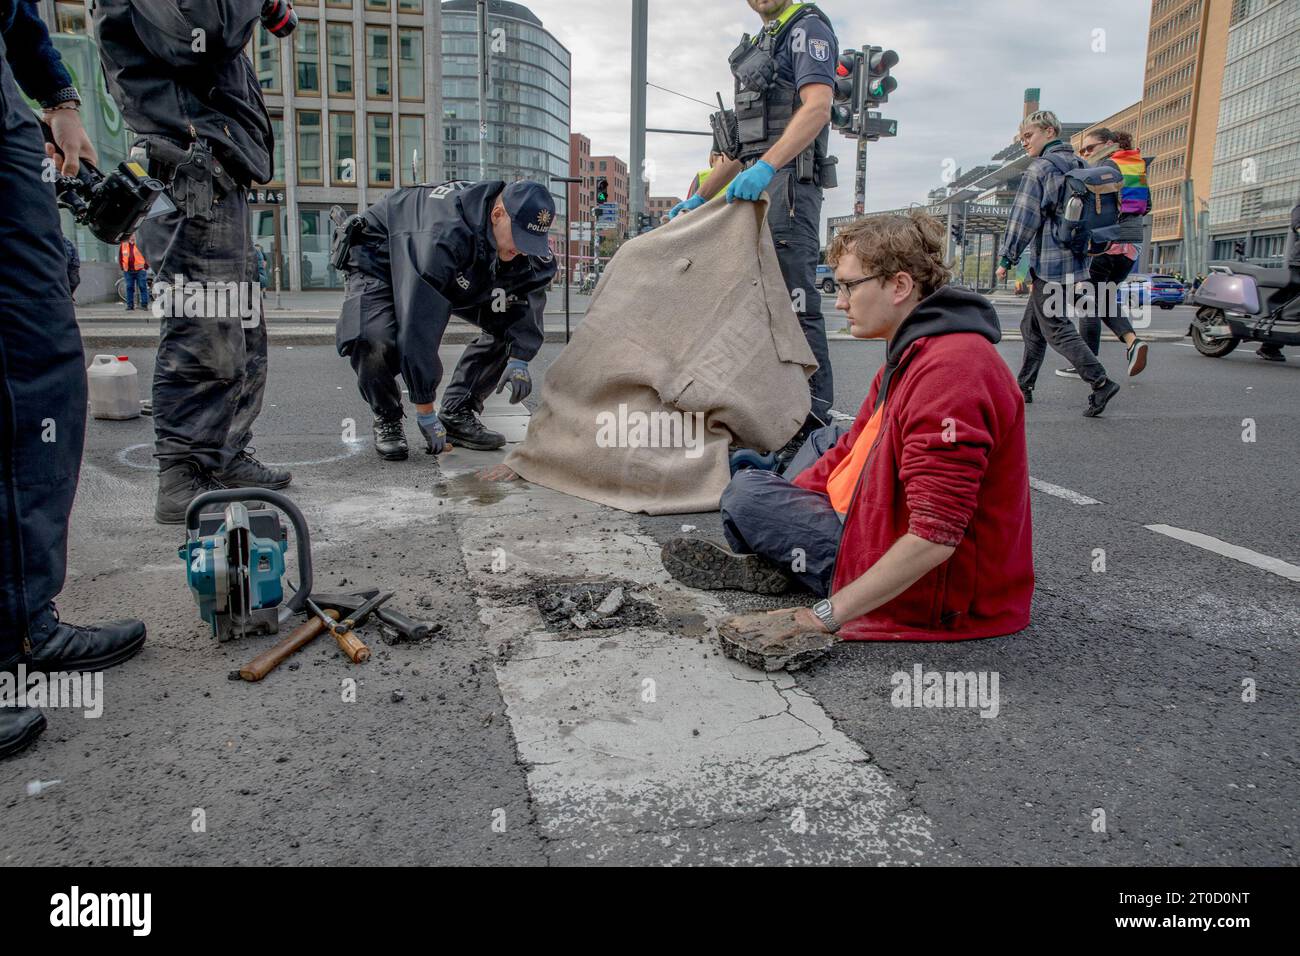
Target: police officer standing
x: 42, y: 381
x: 785, y: 81
x: 178, y: 71
x: 417, y: 256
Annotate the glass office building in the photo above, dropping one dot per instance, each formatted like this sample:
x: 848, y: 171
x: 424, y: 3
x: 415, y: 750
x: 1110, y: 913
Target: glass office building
x: 1256, y: 177
x: 527, y: 101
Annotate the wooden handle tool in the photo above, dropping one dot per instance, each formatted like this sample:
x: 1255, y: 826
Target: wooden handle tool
x: 270, y: 659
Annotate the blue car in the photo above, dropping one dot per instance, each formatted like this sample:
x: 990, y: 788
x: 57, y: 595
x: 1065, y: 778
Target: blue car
x: 1160, y: 290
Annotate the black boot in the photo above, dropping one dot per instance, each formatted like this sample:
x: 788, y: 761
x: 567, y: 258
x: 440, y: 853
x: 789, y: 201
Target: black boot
x: 19, y: 726
x: 1271, y: 353
x: 390, y: 439
x: 464, y: 430
x: 178, y: 485
x: 59, y: 646
x: 702, y: 564
x: 245, y: 471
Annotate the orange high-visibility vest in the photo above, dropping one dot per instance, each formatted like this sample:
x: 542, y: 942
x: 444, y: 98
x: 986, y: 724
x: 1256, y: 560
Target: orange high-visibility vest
x: 129, y: 257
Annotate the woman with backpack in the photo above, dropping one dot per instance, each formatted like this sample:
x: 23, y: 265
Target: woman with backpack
x: 1113, y: 264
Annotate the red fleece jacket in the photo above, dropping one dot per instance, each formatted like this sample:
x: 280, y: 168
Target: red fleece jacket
x: 949, y: 465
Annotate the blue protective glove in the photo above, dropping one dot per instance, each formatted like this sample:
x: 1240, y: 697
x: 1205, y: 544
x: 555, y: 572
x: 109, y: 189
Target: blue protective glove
x: 749, y: 185
x: 517, y: 377
x: 434, y: 432
x: 686, y: 205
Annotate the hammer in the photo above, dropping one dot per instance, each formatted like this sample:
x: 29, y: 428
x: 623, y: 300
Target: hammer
x: 354, y: 610
x: 406, y: 628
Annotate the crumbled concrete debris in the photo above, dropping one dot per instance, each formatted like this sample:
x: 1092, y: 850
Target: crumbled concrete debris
x: 398, y: 697
x: 687, y: 528
x: 600, y: 605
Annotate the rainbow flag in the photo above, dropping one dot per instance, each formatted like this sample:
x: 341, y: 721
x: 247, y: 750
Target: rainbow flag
x: 1135, y: 198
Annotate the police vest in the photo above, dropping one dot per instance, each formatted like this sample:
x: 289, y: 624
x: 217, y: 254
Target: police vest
x: 765, y: 101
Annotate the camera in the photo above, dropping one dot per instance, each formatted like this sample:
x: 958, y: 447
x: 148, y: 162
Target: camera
x: 278, y: 18
x: 111, y: 206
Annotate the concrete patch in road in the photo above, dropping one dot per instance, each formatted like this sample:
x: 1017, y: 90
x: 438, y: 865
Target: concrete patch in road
x: 646, y: 745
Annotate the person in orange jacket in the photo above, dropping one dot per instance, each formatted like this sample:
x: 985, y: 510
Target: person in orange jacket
x: 136, y: 270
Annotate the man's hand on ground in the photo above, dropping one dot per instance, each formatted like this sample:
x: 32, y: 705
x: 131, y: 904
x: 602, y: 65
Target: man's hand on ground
x: 750, y: 184
x: 434, y: 432
x: 773, y: 627
x: 71, y: 139
x: 498, y: 473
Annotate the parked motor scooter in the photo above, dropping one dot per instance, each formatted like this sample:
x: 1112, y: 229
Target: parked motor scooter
x: 1239, y: 302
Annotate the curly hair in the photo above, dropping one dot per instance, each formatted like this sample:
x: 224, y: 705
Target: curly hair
x: 887, y: 245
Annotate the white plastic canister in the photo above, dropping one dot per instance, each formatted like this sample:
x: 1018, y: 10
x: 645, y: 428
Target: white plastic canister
x: 114, y: 387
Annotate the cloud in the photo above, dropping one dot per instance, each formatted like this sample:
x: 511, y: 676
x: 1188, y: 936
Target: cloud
x: 963, y: 68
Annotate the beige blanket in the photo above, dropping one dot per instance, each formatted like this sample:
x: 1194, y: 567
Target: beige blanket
x: 690, y: 343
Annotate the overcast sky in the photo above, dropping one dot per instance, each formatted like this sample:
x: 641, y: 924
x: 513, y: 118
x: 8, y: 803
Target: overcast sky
x: 963, y: 68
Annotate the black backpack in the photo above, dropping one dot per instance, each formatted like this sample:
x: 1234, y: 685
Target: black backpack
x: 1085, y: 214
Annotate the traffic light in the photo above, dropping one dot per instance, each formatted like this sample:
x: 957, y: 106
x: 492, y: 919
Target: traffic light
x: 879, y: 84
x: 848, y: 90
x: 602, y: 190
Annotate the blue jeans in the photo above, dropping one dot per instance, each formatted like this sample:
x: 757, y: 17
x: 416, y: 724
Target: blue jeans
x: 137, y: 279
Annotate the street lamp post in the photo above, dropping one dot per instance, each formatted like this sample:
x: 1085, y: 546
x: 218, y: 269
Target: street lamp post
x: 568, y: 257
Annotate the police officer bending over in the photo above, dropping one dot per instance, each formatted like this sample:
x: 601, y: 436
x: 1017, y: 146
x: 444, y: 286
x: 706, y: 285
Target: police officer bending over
x: 420, y: 254
x: 785, y: 79
x: 178, y: 72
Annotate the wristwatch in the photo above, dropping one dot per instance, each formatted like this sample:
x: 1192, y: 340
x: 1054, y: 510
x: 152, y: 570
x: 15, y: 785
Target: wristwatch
x: 826, y: 614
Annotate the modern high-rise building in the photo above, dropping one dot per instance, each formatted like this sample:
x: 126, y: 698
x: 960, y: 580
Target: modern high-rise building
x: 1257, y: 152
x: 1180, y: 107
x: 528, y: 99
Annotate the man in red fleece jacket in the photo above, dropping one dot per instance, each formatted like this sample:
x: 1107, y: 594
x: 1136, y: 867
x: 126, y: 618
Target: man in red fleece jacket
x: 915, y: 524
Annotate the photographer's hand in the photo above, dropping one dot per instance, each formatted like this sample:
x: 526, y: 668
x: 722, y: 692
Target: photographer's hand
x: 71, y: 139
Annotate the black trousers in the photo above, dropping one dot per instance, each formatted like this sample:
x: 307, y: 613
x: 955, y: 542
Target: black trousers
x: 210, y: 373
x: 794, y: 217
x: 42, y: 380
x: 1104, y: 273
x: 377, y: 359
x: 1049, y: 318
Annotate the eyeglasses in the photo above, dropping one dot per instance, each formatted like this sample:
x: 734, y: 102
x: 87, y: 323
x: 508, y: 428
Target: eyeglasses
x: 846, y: 288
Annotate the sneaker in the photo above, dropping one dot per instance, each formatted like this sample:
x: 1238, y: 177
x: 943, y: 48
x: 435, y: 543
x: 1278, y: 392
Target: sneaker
x: 1068, y: 372
x: 178, y: 485
x: 1271, y: 353
x: 390, y: 439
x: 245, y: 471
x: 1137, y: 356
x: 1100, y: 397
x: 1028, y: 395
x: 19, y: 726
x: 464, y: 430
x: 59, y: 646
x: 702, y: 564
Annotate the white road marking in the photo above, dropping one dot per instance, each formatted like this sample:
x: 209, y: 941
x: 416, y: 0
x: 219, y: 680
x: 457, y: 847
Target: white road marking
x: 643, y: 744
x: 1262, y: 561
x: 1056, y: 490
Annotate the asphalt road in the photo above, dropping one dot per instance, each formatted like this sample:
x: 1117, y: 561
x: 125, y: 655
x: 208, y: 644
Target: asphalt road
x: 1125, y: 695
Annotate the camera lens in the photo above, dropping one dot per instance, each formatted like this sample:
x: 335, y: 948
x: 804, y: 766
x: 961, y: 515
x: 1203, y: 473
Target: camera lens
x: 279, y: 17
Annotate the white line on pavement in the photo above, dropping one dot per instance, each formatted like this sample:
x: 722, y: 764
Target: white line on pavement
x: 1234, y: 551
x: 1056, y: 490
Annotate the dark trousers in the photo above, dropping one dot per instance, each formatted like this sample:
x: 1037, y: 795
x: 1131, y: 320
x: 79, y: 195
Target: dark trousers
x: 1049, y: 318
x: 794, y: 217
x: 210, y: 372
x: 1104, y: 273
x: 137, y: 279
x: 42, y: 380
x: 763, y: 513
x: 377, y: 359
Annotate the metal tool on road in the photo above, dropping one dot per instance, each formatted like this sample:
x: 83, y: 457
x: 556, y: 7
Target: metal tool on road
x: 405, y: 628
x: 348, y: 642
